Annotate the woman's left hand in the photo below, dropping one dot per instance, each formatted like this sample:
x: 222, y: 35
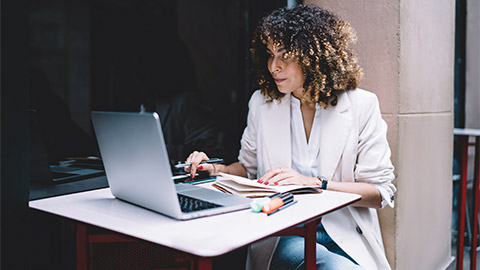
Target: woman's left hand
x: 286, y: 176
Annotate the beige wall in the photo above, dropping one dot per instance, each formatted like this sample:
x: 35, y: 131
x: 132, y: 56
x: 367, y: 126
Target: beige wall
x: 406, y: 49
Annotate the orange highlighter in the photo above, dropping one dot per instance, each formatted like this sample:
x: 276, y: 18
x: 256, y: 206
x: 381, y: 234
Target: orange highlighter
x: 272, y: 205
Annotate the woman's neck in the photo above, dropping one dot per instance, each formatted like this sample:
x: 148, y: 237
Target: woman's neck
x: 308, y: 113
x: 298, y: 94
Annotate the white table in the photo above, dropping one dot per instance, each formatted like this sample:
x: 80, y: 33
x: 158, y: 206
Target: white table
x: 203, y: 237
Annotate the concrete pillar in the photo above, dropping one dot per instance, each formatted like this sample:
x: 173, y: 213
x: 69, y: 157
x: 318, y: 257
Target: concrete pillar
x: 472, y: 99
x: 406, y: 49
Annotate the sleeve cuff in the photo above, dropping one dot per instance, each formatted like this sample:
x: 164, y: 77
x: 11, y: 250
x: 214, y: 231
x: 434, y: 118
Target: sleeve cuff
x: 387, y: 198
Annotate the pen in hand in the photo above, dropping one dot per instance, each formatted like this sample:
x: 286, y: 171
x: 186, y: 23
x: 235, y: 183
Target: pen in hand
x: 210, y: 161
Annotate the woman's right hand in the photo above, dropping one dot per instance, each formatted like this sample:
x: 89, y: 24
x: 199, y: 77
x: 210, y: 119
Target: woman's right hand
x: 195, y: 158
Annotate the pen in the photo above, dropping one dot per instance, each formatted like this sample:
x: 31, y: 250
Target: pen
x: 201, y: 181
x: 182, y: 176
x: 278, y: 194
x: 210, y: 161
x: 221, y: 188
x: 284, y: 206
x: 286, y: 197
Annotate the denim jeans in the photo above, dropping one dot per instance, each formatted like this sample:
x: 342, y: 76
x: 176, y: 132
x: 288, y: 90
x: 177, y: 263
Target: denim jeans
x: 290, y: 253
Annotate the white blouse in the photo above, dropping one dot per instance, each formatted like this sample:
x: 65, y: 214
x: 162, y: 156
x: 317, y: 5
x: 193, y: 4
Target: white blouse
x: 305, y: 155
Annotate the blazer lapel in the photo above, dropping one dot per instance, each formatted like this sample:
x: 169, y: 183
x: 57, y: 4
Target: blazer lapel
x: 276, y: 132
x: 335, y: 127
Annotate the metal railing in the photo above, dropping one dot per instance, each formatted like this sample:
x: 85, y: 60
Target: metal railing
x: 463, y: 136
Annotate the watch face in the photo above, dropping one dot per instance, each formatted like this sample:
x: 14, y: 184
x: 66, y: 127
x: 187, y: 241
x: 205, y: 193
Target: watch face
x: 323, y: 182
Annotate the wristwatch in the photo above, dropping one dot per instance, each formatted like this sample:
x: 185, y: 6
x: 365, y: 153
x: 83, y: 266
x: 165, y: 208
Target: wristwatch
x: 323, y: 181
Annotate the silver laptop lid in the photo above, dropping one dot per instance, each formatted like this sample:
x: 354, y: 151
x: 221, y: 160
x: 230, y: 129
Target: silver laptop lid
x: 136, y: 160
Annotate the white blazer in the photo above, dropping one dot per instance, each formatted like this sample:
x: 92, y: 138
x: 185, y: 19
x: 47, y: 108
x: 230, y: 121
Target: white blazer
x: 353, y: 148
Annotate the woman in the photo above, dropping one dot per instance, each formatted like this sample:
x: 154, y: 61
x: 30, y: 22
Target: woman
x: 309, y: 125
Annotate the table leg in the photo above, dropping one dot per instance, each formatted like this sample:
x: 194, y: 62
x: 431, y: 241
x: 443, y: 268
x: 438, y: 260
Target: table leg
x: 310, y: 245
x: 475, y: 192
x: 81, y: 246
x: 203, y: 264
x: 462, y: 197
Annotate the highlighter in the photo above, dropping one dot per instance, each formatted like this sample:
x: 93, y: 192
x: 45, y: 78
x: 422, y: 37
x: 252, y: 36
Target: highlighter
x: 257, y: 204
x: 272, y: 205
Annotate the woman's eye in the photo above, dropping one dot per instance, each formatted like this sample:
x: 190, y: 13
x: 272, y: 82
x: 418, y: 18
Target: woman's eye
x: 269, y: 55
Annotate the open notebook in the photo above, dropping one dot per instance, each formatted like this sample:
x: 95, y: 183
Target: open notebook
x: 250, y: 188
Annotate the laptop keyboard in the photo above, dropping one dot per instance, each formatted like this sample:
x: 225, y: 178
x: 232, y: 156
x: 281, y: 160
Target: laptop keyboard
x: 189, y: 204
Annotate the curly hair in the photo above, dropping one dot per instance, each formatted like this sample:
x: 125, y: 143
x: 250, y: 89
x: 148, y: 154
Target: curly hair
x: 318, y: 41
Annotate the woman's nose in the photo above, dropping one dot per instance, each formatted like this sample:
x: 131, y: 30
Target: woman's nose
x: 275, y: 66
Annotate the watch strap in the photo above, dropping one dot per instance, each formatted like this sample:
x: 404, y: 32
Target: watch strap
x: 323, y: 181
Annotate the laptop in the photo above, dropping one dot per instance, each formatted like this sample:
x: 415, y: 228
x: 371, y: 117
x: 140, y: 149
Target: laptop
x: 138, y: 170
